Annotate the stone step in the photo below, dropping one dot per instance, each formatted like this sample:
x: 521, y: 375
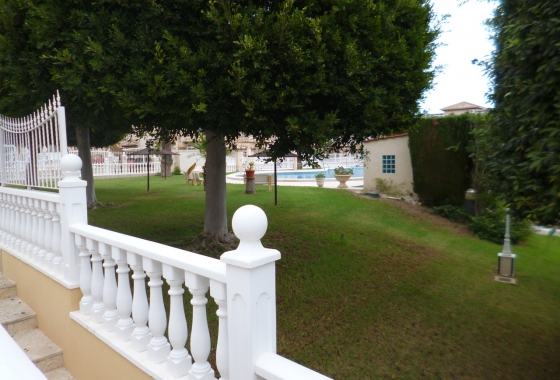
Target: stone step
x: 59, y: 374
x: 16, y: 316
x: 7, y: 287
x: 41, y: 350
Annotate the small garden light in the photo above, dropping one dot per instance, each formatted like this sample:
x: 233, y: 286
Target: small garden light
x: 506, y: 257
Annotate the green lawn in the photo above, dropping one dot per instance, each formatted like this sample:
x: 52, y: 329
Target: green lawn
x: 366, y: 290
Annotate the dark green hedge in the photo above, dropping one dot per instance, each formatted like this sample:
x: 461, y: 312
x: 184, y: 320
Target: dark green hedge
x: 440, y: 162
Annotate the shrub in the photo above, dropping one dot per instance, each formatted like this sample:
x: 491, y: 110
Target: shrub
x: 491, y: 226
x: 456, y: 214
x: 320, y: 175
x: 386, y: 186
x: 177, y: 171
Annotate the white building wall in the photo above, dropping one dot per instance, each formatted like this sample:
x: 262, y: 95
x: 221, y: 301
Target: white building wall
x: 397, y: 146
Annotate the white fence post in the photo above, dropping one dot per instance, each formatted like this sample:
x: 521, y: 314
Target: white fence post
x: 73, y: 209
x: 251, y: 294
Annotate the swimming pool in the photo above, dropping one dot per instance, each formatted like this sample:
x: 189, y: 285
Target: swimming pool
x: 309, y: 174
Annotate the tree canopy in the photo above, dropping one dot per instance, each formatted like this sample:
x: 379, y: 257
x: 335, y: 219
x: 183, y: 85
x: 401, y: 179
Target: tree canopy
x: 308, y: 74
x: 525, y: 135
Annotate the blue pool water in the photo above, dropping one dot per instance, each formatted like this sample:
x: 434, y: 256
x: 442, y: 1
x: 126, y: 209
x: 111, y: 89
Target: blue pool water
x: 310, y: 174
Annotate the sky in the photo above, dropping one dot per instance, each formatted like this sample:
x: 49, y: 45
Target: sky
x: 464, y: 38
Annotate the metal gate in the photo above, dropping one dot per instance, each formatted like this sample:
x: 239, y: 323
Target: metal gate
x: 32, y: 146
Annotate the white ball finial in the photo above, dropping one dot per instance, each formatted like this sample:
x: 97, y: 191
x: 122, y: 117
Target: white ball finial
x: 70, y: 163
x: 249, y: 223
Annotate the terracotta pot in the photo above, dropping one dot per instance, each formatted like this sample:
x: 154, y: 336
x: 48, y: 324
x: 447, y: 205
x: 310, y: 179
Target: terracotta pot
x: 249, y: 174
x: 342, y: 178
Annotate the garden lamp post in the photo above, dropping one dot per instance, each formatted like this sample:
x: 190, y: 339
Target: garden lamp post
x: 506, y: 257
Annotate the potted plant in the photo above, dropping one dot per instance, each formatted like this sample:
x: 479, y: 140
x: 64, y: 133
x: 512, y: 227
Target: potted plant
x: 250, y: 170
x: 320, y: 178
x: 342, y: 175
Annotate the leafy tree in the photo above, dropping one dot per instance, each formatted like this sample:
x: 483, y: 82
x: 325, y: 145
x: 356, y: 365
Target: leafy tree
x: 525, y: 125
x: 309, y: 74
x: 37, y: 41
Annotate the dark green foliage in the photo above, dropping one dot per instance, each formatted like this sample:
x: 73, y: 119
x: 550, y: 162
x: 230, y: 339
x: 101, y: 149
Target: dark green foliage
x: 441, y: 164
x: 177, y: 171
x: 525, y: 132
x: 456, y: 214
x: 491, y: 226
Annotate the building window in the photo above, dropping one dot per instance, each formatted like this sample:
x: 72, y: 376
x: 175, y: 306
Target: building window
x: 388, y: 164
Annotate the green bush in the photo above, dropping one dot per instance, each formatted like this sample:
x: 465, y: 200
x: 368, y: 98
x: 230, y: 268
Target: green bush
x: 491, y: 226
x: 456, y: 214
x: 386, y: 186
x: 177, y: 171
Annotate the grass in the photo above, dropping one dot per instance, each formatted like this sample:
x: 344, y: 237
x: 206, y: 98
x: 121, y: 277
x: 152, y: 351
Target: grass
x: 366, y: 290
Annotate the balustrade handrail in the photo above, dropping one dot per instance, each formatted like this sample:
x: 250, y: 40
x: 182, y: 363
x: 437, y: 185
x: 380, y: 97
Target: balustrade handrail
x: 271, y: 366
x: 193, y: 262
x: 40, y: 195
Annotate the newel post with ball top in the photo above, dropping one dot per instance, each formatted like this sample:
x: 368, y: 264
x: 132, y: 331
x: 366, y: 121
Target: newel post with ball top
x: 73, y: 209
x: 251, y: 294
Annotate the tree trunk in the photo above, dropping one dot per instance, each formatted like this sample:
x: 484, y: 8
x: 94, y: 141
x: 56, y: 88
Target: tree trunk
x: 215, y: 215
x: 166, y: 160
x: 84, y: 151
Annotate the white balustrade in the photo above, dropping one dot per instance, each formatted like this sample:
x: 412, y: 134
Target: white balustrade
x: 50, y: 230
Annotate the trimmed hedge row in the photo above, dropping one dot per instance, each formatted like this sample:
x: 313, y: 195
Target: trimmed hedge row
x: 441, y: 164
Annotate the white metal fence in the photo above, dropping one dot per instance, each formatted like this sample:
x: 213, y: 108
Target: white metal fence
x: 32, y: 146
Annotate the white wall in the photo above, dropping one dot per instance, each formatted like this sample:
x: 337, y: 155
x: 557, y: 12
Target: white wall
x: 397, y: 146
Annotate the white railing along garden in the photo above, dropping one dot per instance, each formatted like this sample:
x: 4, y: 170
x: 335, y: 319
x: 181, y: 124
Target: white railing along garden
x: 32, y: 146
x: 107, y: 163
x: 49, y: 231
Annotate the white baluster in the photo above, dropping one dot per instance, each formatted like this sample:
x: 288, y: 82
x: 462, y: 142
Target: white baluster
x: 19, y: 213
x: 110, y: 316
x: 2, y: 218
x: 14, y: 209
x: 200, y: 336
x: 179, y: 361
x: 158, y: 349
x: 141, y: 335
x: 57, y: 260
x: 28, y: 233
x: 98, y: 307
x: 23, y: 226
x: 42, y: 233
x: 85, y: 276
x: 218, y: 290
x: 17, y: 224
x: 9, y: 220
x: 49, y: 255
x: 125, y: 325
x: 33, y: 231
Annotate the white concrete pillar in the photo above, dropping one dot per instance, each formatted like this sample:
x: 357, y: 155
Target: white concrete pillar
x: 73, y: 209
x: 251, y: 294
